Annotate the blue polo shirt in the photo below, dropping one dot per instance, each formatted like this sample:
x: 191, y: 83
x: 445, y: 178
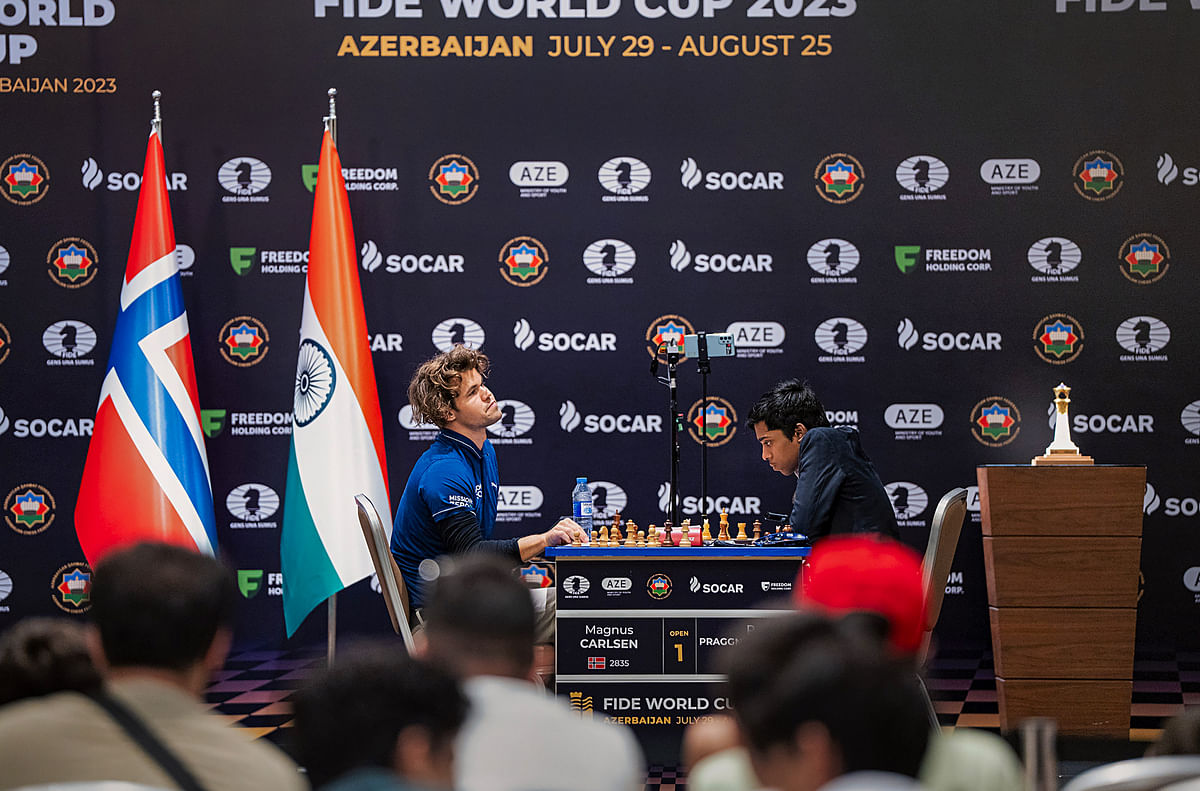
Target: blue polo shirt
x: 451, y: 477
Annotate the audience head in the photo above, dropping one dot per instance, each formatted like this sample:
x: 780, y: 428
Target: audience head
x: 43, y: 655
x: 481, y: 619
x: 1180, y: 736
x: 378, y: 708
x: 868, y: 574
x: 816, y: 699
x: 161, y: 606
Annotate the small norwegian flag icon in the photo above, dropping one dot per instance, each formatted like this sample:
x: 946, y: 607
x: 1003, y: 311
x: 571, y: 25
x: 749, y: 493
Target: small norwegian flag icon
x: 595, y: 663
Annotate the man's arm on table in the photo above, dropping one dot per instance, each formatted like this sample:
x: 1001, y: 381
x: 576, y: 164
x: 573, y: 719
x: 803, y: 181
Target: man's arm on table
x: 462, y: 534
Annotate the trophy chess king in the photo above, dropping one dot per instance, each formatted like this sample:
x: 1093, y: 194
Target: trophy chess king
x: 1062, y: 450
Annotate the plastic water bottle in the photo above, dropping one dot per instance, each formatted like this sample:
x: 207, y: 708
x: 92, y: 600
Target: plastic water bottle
x: 581, y: 505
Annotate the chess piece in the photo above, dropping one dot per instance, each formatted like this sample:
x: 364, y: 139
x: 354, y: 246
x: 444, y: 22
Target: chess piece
x: 631, y: 533
x: 724, y: 532
x: 577, y: 541
x: 614, y: 535
x: 741, y: 536
x: 706, y: 535
x: 604, y: 542
x: 1062, y: 450
x: 652, y: 537
x: 641, y: 538
x: 672, y: 533
x: 757, y: 529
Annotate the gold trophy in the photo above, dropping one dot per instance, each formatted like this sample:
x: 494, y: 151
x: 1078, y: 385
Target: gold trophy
x: 1062, y: 450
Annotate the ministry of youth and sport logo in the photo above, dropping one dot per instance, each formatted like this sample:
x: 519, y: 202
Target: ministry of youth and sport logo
x: 624, y: 178
x: 458, y: 331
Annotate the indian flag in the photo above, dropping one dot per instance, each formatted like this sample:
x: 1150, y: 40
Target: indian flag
x: 337, y: 430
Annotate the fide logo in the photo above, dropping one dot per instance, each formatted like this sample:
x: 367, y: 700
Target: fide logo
x: 453, y: 179
x: 517, y: 418
x: 1099, y: 175
x: 1142, y: 336
x: 244, y: 341
x: 69, y: 341
x: 923, y: 177
x: 576, y: 585
x: 458, y: 331
x: 1190, y: 418
x: 524, y: 261
x: 841, y: 339
x: 252, y: 505
x: 608, y: 500
x: 995, y: 421
x: 1054, y: 257
x: 29, y: 509
x: 833, y: 260
x: 5, y: 343
x: 624, y: 178
x: 712, y: 422
x: 665, y: 334
x: 1144, y: 258
x: 26, y: 179
x: 72, y: 262
x: 909, y: 501
x: 1058, y: 339
x: 609, y: 260
x: 71, y: 588
x: 244, y: 178
x: 839, y: 178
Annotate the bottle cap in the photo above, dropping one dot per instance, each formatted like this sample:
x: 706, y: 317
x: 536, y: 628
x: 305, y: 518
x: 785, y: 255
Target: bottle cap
x: 581, y: 480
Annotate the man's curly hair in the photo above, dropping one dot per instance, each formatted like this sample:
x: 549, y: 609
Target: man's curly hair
x: 436, y: 383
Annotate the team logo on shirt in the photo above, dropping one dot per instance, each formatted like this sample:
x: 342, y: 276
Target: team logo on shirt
x: 995, y: 421
x: 71, y: 588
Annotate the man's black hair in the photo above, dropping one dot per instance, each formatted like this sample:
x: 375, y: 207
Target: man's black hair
x: 787, y: 403
x: 479, y: 610
x: 348, y: 717
x: 807, y: 668
x: 158, y: 605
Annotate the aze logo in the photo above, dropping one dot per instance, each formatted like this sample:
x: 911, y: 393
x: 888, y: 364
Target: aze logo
x: 712, y: 422
x: 665, y: 334
x: 659, y: 586
x: 244, y: 341
x: 1099, y: 175
x: 26, y: 179
x: 995, y: 421
x: 72, y: 262
x: 71, y: 587
x: 1058, y: 338
x: 524, y: 261
x: 453, y: 179
x: 839, y: 178
x: 1144, y: 258
x: 29, y: 509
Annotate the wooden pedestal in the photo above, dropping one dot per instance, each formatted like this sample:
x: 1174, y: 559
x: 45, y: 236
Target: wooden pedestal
x: 1062, y: 551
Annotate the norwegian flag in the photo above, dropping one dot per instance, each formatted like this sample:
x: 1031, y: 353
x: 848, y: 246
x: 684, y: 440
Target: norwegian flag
x: 146, y: 475
x: 595, y: 663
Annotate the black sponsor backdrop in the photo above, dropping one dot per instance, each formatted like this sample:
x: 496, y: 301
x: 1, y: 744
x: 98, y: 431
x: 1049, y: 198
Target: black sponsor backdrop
x: 901, y: 79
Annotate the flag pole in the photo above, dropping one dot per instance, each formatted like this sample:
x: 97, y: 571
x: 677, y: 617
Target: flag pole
x: 156, y: 121
x: 331, y: 603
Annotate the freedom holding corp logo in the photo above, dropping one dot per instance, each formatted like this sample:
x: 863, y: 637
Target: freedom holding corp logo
x: 995, y: 421
x: 453, y: 179
x: 524, y: 261
x: 1058, y: 338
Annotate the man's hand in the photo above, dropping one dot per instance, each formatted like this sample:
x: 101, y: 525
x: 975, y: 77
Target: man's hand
x: 564, y: 532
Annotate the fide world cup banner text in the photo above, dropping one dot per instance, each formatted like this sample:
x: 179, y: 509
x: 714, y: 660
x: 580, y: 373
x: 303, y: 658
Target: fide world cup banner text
x: 934, y: 211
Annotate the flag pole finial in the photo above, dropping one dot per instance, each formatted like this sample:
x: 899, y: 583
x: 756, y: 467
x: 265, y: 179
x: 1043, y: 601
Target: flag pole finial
x: 156, y: 122
x: 331, y: 119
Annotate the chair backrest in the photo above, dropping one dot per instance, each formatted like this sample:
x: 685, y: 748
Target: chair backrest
x: 391, y: 581
x: 1138, y: 774
x: 944, y: 530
